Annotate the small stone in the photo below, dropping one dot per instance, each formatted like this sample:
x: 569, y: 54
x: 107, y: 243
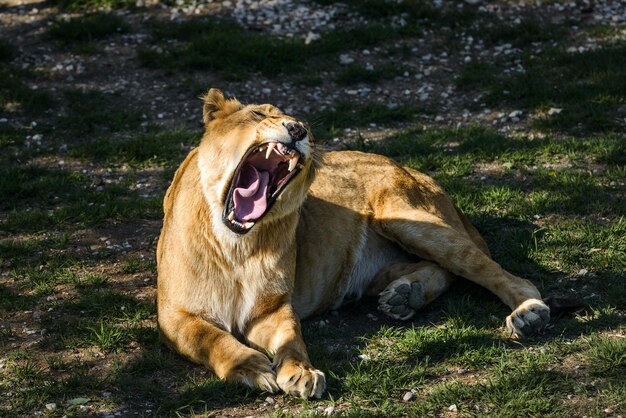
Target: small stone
x: 345, y: 59
x: 408, y: 396
x: 51, y: 406
x: 78, y: 401
x: 310, y: 37
x: 554, y: 111
x: 106, y: 394
x: 583, y: 272
x: 452, y: 408
x: 328, y: 411
x: 270, y: 400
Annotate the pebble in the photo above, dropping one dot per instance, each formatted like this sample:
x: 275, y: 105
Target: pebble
x: 270, y: 400
x: 345, y: 59
x: 328, y: 411
x: 408, y: 396
x: 452, y: 408
x: 554, y: 111
x: 51, y: 406
x: 583, y: 272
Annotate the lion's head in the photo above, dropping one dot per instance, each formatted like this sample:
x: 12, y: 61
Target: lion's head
x: 256, y: 162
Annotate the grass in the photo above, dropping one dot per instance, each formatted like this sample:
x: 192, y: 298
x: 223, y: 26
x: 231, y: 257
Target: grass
x: 87, y: 5
x: 587, y: 86
x: 87, y: 28
x: 355, y: 74
x: 220, y: 45
x: 344, y: 114
x: 151, y: 148
x: 92, y: 112
x: 78, y: 315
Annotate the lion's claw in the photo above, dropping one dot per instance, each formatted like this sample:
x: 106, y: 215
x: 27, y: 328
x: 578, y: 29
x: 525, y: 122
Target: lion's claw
x: 255, y: 371
x: 529, y: 318
x: 402, y: 300
x: 300, y: 380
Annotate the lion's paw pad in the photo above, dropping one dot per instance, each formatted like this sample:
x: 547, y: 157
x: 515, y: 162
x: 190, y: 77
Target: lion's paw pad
x: 402, y: 300
x: 529, y: 318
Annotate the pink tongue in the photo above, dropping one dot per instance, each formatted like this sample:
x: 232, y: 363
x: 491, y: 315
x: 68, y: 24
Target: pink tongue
x: 250, y: 196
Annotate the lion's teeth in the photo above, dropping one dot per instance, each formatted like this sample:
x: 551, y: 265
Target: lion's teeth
x: 293, y: 162
x: 231, y: 216
x: 270, y: 148
x: 248, y: 225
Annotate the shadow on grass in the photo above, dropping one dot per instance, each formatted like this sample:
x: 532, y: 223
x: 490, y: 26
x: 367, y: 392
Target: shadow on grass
x: 588, y: 86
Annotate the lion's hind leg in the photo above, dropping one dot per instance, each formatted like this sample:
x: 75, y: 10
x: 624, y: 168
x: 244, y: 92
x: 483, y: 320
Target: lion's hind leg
x: 431, y: 238
x: 405, y: 288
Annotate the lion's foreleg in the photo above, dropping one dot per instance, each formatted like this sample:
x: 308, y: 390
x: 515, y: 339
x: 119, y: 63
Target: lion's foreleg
x: 206, y: 344
x: 278, y: 332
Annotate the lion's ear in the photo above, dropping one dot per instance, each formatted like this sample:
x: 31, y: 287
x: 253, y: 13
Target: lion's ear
x: 215, y: 105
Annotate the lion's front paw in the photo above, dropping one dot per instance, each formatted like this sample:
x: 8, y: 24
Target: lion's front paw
x: 401, y: 299
x: 298, y: 379
x: 530, y: 317
x: 254, y: 370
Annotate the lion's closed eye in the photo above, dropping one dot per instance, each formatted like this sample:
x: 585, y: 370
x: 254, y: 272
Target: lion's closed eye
x: 257, y: 114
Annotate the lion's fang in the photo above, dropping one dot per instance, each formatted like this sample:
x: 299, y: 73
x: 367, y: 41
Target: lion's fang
x: 293, y: 162
x: 270, y: 148
x: 231, y: 216
x: 248, y: 225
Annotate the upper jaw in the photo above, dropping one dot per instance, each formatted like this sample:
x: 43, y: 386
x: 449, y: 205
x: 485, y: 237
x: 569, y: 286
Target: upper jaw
x: 274, y: 161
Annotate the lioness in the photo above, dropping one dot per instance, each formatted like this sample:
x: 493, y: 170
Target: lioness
x: 261, y: 230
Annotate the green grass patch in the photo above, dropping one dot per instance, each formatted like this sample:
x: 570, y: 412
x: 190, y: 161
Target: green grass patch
x: 7, y: 51
x: 522, y: 34
x: 88, y: 28
x: 17, y: 96
x: 344, y: 114
x: 91, y: 112
x: 161, y: 148
x: 607, y: 355
x: 66, y: 197
x: 527, y: 388
x: 355, y: 74
x: 212, y: 44
x: 587, y: 86
x: 137, y: 265
x: 82, y: 5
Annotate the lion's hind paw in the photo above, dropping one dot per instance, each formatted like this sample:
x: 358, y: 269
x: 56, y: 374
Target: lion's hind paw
x: 529, y: 318
x: 401, y: 299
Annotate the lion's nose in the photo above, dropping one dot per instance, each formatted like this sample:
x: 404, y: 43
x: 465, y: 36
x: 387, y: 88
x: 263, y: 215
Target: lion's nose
x: 295, y: 130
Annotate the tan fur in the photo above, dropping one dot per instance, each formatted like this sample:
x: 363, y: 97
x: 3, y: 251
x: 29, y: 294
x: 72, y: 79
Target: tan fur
x: 366, y: 226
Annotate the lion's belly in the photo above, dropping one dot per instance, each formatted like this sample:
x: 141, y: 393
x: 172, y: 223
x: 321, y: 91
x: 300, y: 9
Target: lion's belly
x: 337, y: 258
x: 375, y: 253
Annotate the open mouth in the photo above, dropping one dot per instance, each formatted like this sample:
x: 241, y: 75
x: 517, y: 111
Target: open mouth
x: 261, y: 176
